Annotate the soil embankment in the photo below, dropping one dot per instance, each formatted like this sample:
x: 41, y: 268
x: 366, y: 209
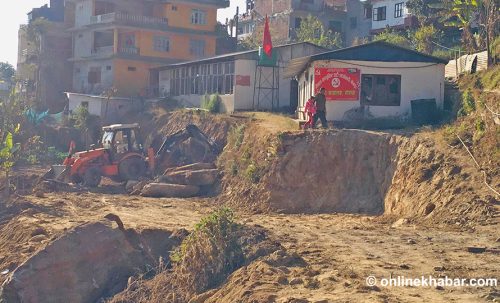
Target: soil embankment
x: 354, y: 171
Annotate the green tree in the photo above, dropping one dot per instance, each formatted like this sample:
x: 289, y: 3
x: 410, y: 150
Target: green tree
x: 462, y: 14
x: 312, y: 30
x: 423, y: 38
x: 395, y: 38
x: 11, y: 117
x: 426, y: 11
x: 254, y: 41
x: 7, y: 71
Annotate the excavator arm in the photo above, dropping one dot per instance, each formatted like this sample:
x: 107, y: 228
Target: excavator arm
x: 173, y: 141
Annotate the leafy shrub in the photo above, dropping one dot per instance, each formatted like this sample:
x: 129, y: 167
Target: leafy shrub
x: 81, y: 116
x: 55, y: 156
x: 424, y: 37
x: 35, y: 152
x: 468, y: 104
x: 211, y: 103
x: 480, y: 128
x: 395, y: 38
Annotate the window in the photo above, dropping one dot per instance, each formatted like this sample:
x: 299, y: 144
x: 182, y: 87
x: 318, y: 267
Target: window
x: 381, y: 90
x: 379, y: 13
x: 108, y: 67
x: 367, y: 11
x: 198, y: 17
x: 161, y: 44
x: 174, y: 8
x: 203, y: 79
x: 197, y: 48
x: 131, y: 68
x: 85, y: 104
x: 398, y: 10
x: 335, y: 26
x: 129, y: 40
x: 298, y: 21
x: 354, y: 22
x: 94, y: 75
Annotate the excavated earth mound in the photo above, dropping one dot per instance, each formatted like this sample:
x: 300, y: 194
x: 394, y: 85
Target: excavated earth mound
x: 90, y: 262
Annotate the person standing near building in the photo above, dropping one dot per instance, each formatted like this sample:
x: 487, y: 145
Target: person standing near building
x: 310, y: 110
x: 320, y: 109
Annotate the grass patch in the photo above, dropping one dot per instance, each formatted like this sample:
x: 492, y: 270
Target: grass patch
x: 253, y: 173
x: 236, y: 136
x: 209, y: 254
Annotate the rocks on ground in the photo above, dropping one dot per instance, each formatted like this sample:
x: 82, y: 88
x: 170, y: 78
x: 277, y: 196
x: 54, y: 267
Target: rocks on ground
x: 178, y: 182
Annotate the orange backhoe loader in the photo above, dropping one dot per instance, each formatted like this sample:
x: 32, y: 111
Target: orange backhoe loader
x: 121, y: 157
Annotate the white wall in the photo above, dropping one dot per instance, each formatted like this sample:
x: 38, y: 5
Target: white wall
x: 95, y: 104
x: 243, y: 95
x: 390, y: 20
x: 418, y: 81
x: 80, y: 78
x: 83, y: 11
x: 110, y: 110
x: 83, y: 42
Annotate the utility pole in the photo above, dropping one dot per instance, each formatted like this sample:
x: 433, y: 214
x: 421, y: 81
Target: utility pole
x: 237, y: 21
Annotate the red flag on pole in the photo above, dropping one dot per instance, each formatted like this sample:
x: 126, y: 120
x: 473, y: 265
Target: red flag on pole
x: 267, y: 44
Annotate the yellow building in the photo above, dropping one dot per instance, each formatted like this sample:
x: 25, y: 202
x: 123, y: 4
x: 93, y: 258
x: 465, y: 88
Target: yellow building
x: 116, y: 42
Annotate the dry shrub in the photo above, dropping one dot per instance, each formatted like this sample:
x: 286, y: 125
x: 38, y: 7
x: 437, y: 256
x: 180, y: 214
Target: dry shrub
x: 205, y: 259
x: 209, y: 254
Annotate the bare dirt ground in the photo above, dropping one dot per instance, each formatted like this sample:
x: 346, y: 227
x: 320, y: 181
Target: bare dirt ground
x: 341, y: 250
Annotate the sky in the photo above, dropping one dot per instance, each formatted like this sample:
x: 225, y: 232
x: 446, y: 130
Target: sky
x: 14, y: 14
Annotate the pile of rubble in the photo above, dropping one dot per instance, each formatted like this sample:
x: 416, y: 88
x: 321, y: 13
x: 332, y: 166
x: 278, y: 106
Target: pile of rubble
x: 178, y: 182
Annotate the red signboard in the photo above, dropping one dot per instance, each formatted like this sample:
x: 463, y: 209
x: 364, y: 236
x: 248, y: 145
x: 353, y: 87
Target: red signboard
x: 242, y: 80
x: 341, y: 84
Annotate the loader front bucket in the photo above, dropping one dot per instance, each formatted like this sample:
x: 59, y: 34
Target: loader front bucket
x: 58, y: 173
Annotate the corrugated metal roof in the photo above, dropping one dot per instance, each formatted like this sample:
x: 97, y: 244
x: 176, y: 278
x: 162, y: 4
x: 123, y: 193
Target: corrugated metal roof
x: 226, y: 57
x: 378, y: 51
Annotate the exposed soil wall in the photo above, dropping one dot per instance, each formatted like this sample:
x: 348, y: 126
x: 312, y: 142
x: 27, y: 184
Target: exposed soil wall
x: 345, y: 171
x: 353, y: 171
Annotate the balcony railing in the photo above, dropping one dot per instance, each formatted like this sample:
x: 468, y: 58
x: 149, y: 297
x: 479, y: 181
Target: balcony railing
x: 128, y: 19
x: 107, y: 18
x: 103, y: 50
x: 129, y: 50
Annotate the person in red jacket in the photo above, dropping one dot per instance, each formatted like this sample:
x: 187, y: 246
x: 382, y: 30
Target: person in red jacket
x: 310, y: 110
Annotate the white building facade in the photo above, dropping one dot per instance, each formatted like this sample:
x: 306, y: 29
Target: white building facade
x: 236, y: 79
x: 377, y: 78
x: 390, y: 13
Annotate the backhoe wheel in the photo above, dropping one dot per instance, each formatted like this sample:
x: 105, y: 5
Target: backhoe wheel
x: 132, y: 169
x: 92, y: 177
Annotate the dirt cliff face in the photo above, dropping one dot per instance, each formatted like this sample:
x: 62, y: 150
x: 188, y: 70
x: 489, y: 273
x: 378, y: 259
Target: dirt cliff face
x: 436, y: 185
x: 345, y: 171
x: 355, y: 171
